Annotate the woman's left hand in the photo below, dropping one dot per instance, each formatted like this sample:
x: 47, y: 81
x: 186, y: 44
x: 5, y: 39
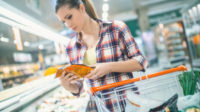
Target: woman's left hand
x: 100, y: 70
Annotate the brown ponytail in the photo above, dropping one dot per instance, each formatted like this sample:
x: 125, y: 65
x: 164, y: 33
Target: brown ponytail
x: 89, y: 9
x: 75, y: 4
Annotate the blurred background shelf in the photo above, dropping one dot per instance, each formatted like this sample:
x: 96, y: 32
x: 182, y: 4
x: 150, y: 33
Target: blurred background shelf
x: 20, y: 96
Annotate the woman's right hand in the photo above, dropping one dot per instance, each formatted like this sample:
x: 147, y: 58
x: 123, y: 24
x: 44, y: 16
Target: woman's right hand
x: 68, y: 81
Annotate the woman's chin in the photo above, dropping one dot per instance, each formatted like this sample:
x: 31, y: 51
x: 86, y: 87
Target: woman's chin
x: 78, y: 31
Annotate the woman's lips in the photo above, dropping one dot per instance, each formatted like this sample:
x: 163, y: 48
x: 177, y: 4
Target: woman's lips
x: 74, y: 28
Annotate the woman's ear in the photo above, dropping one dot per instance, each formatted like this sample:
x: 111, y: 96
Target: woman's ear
x: 82, y: 8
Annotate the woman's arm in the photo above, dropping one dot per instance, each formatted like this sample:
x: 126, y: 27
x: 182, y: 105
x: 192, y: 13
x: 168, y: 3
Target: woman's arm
x: 125, y: 66
x: 102, y: 69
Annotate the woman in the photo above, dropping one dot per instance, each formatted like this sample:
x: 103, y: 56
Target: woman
x: 109, y: 46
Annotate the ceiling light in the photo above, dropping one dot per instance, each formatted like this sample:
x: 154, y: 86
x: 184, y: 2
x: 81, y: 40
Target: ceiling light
x: 14, y: 42
x: 105, y: 15
x: 41, y: 47
x: 105, y: 7
x: 3, y: 39
x: 27, y: 44
x: 105, y: 0
x: 190, y: 11
x: 194, y: 9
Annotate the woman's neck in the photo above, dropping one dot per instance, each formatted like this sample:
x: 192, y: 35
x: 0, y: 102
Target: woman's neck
x: 91, y: 27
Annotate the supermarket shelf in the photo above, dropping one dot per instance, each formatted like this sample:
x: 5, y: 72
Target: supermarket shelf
x: 177, y: 64
x: 175, y: 50
x: 174, y: 44
x: 15, y: 80
x: 196, y: 69
x: 16, y: 77
x: 165, y: 67
x: 196, y: 65
x: 192, y: 26
x: 196, y: 62
x: 177, y: 60
x: 28, y: 93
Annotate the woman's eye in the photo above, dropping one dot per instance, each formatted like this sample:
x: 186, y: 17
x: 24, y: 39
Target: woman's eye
x: 69, y: 17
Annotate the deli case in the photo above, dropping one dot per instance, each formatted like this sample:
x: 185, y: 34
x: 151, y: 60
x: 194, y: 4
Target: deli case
x: 41, y: 95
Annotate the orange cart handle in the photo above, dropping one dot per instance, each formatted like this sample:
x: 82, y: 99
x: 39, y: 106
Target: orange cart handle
x: 109, y: 86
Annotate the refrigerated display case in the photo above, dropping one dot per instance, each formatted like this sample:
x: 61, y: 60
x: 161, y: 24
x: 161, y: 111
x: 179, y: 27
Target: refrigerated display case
x: 13, y: 75
x: 42, y: 95
x: 17, y: 98
x: 191, y: 20
x: 63, y: 101
x: 174, y: 40
x: 171, y: 44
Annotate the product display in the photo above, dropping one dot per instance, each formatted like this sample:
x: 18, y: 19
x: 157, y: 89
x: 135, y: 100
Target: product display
x: 13, y: 75
x: 63, y: 101
x: 192, y: 30
x: 174, y: 41
x: 171, y: 44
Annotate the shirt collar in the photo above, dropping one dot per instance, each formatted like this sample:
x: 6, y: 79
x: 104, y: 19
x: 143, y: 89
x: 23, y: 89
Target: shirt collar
x: 102, y: 24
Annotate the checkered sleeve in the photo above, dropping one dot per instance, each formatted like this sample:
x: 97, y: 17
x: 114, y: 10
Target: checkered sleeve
x: 79, y: 83
x: 129, y: 46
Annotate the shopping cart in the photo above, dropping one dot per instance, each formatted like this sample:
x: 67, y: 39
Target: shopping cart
x: 152, y: 88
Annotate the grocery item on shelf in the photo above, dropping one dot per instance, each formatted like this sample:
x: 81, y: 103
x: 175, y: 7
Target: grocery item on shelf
x: 191, y: 22
x: 50, y: 71
x: 63, y: 101
x: 13, y: 75
x: 174, y: 42
x: 31, y: 79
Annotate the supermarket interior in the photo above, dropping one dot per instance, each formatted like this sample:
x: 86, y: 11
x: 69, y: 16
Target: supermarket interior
x: 33, y: 46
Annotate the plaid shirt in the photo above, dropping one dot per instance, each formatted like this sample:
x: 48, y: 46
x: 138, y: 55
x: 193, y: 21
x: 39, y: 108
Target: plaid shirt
x: 115, y: 44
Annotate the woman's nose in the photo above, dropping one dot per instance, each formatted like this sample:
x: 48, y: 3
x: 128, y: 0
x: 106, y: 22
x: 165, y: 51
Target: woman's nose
x: 68, y: 24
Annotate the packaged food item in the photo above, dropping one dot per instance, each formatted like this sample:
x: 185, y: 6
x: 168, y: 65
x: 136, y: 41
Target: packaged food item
x: 50, y: 71
x: 79, y: 70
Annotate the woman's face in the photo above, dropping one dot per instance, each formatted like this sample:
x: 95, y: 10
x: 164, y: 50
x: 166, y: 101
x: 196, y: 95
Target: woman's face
x: 72, y: 17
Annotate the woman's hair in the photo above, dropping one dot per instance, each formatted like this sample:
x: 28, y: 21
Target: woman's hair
x: 76, y: 4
